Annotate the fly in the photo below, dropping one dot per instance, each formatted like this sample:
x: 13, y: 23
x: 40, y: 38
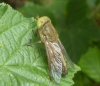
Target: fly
x: 56, y: 52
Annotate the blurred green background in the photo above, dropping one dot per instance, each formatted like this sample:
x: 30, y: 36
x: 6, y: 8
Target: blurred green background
x: 78, y: 25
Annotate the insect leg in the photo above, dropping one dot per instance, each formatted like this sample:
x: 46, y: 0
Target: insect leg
x: 31, y: 44
x: 39, y: 42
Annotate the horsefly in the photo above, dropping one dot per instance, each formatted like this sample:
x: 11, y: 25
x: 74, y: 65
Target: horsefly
x: 56, y: 53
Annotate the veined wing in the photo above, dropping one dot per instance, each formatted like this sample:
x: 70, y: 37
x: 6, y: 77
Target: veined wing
x: 54, y: 60
x: 65, y: 54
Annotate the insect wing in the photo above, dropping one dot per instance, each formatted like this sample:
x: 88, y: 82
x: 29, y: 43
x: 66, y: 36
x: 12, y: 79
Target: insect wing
x: 65, y: 54
x: 54, y: 60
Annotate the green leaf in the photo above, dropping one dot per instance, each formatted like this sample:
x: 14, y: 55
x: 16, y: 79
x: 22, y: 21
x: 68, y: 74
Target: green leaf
x: 36, y: 10
x: 58, y: 9
x: 22, y: 65
x: 81, y: 80
x: 70, y: 33
x: 76, y: 15
x: 90, y: 63
x: 75, y: 29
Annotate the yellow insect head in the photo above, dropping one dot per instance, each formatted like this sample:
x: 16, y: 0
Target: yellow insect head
x: 42, y: 21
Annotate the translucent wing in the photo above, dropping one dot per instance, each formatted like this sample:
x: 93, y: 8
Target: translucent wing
x: 65, y: 54
x: 54, y: 60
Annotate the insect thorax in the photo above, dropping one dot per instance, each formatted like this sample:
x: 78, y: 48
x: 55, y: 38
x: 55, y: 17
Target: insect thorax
x: 49, y: 32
